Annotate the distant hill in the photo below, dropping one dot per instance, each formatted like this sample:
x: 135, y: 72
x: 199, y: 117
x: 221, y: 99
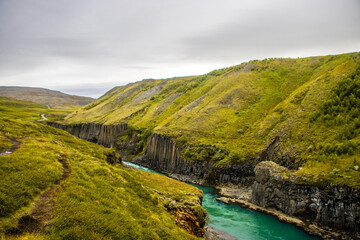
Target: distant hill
x: 44, y: 96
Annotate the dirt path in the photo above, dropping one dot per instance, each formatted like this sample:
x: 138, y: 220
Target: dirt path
x: 43, y: 118
x: 42, y: 210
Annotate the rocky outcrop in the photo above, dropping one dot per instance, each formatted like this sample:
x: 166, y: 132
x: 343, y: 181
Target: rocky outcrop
x: 212, y: 233
x: 185, y: 210
x: 334, y: 207
x: 278, y: 151
x: 163, y: 155
x: 128, y: 146
x: 105, y: 135
x: 235, y: 173
x: 189, y: 218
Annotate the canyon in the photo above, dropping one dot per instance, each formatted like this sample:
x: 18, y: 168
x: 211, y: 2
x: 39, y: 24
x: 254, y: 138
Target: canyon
x: 333, y: 211
x: 278, y: 134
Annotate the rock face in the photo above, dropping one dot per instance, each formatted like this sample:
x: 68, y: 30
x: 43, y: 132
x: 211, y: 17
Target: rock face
x: 335, y: 207
x: 163, y: 155
x: 216, y: 234
x: 105, y: 135
x: 188, y: 218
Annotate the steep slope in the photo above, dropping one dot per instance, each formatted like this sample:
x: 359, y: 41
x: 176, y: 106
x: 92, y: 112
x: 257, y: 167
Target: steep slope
x: 44, y: 96
x: 56, y: 186
x: 274, y: 109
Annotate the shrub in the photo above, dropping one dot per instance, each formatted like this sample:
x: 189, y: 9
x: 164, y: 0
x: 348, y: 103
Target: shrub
x: 183, y: 140
x: 218, y: 156
x: 204, y: 155
x: 234, y: 156
x: 144, y: 135
x: 342, y: 104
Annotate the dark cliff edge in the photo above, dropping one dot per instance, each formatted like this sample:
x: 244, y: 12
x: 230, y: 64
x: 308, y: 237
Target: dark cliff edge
x: 105, y: 135
x: 163, y: 155
x: 335, y: 207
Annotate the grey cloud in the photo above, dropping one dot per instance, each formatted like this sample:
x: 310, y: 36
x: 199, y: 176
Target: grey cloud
x: 272, y: 32
x: 85, y: 91
x: 61, y: 41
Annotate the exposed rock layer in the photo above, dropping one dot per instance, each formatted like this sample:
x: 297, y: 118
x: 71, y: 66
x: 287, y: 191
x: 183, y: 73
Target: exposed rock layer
x: 335, y: 207
x: 163, y: 155
x: 216, y: 234
x: 105, y: 135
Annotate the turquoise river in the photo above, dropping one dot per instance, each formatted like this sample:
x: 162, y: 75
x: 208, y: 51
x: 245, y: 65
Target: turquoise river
x: 244, y: 224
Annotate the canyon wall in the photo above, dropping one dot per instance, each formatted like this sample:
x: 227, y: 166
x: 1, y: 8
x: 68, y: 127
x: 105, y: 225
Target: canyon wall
x: 163, y: 155
x: 105, y: 135
x: 335, y: 207
x: 328, y: 207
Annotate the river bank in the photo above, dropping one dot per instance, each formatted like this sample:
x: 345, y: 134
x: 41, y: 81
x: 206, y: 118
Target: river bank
x: 235, y: 195
x: 327, y: 211
x: 227, y: 221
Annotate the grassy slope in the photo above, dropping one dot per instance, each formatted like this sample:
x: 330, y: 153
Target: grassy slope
x: 241, y: 108
x: 17, y: 109
x: 98, y: 201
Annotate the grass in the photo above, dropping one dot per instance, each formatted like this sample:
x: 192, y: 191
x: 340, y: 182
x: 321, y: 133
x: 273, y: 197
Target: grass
x: 25, y: 174
x: 243, y: 109
x: 5, y: 143
x: 98, y: 200
x: 17, y: 109
x: 336, y: 128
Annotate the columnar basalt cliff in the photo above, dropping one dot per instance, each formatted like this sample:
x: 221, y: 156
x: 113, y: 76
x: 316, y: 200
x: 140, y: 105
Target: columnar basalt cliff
x: 105, y: 135
x: 163, y: 155
x: 335, y: 207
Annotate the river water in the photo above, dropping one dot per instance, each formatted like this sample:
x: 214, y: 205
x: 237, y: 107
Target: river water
x: 243, y: 223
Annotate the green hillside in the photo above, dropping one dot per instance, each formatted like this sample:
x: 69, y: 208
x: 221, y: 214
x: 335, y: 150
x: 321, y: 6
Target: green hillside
x: 307, y: 106
x: 56, y: 186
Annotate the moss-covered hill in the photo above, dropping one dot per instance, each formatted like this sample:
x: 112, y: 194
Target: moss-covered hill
x: 307, y: 107
x: 56, y: 186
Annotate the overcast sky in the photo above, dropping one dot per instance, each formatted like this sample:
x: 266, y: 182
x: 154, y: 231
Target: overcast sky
x: 86, y: 47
